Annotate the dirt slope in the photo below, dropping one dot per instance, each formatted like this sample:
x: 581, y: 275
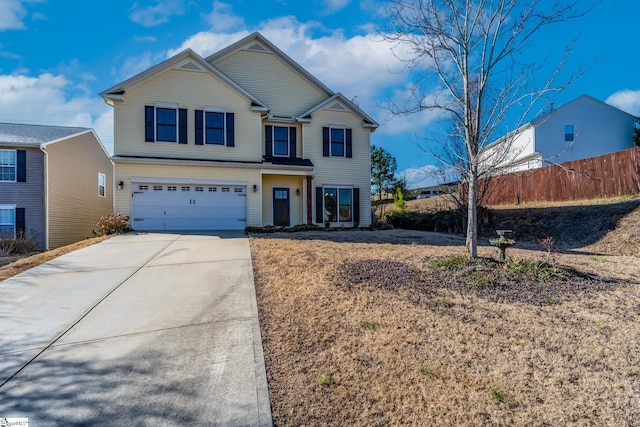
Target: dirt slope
x: 603, y: 226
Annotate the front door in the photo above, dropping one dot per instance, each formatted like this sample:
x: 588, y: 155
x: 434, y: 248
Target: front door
x: 281, y: 207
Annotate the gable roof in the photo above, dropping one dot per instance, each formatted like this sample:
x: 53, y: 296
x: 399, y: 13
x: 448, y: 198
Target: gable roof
x: 259, y: 38
x: 258, y: 42
x: 339, y: 98
x: 35, y: 135
x: 187, y: 56
x: 541, y: 118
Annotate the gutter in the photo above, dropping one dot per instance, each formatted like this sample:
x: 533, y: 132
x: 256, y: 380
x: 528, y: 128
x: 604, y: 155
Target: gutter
x: 46, y: 197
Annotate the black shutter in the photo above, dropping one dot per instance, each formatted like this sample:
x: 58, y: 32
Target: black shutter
x: 268, y: 144
x: 21, y: 166
x: 182, y: 126
x: 356, y: 205
x: 149, y: 112
x: 292, y: 143
x: 199, y: 120
x: 325, y: 142
x: 20, y: 223
x: 230, y: 130
x: 319, y: 216
x: 348, y: 143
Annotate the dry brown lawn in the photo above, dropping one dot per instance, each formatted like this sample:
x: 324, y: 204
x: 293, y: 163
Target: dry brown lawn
x: 16, y: 264
x: 400, y: 343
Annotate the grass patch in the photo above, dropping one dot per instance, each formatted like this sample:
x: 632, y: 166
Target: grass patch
x: 324, y: 380
x: 497, y: 395
x: 426, y: 370
x: 598, y: 258
x: 369, y: 325
x: 444, y: 301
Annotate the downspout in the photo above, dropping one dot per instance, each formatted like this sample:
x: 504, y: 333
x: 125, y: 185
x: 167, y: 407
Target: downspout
x: 46, y: 197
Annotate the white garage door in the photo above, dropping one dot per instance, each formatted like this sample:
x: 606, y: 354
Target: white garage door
x: 189, y: 207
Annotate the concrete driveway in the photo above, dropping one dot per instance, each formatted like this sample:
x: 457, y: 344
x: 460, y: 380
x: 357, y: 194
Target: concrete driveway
x: 141, y: 329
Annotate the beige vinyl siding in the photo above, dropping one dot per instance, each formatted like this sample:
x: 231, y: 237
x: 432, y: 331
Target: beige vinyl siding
x: 28, y: 195
x: 272, y: 81
x: 125, y: 171
x: 74, y: 204
x: 293, y: 183
x: 355, y: 171
x: 193, y: 91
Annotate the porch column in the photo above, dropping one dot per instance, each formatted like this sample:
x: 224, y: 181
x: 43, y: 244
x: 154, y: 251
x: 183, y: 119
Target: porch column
x: 309, y: 207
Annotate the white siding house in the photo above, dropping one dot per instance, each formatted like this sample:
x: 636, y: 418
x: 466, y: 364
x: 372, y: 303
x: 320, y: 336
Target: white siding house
x: 580, y: 129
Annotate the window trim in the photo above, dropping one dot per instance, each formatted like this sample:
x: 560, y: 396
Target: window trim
x: 337, y: 188
x: 205, y: 111
x: 11, y: 208
x: 344, y: 140
x: 103, y: 185
x: 572, y: 133
x: 155, y: 121
x: 273, y: 141
x: 15, y: 166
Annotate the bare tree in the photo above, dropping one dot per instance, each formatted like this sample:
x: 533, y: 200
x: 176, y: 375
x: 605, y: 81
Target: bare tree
x: 477, y: 70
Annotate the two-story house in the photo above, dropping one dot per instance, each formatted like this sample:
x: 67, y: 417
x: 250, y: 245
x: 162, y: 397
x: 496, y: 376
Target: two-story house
x: 244, y: 137
x: 580, y: 129
x: 55, y: 183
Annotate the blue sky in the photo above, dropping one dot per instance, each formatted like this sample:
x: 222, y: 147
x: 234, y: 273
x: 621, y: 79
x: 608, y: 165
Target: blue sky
x: 57, y: 55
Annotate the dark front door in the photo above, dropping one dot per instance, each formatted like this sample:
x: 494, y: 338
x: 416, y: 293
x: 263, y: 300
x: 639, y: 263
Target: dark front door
x: 281, y: 207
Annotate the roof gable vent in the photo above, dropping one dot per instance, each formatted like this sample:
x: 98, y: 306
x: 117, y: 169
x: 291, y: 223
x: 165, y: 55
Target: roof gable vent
x: 190, y: 66
x: 257, y: 47
x: 337, y: 106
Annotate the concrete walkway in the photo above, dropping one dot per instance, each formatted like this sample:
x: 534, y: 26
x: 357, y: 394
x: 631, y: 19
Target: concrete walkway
x: 141, y: 329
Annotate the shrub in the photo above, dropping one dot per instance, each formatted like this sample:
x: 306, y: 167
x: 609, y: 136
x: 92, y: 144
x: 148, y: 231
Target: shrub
x: 444, y: 220
x: 16, y: 246
x: 398, y: 200
x: 112, y: 224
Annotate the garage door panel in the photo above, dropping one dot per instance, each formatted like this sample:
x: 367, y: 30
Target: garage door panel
x: 189, y: 207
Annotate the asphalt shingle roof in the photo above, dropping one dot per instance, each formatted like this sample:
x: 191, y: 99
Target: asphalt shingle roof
x: 20, y: 134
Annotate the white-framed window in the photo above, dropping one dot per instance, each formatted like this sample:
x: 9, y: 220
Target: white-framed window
x: 102, y: 185
x: 338, y: 204
x: 7, y: 221
x: 165, y: 123
x: 337, y: 141
x: 569, y: 133
x: 280, y: 141
x: 8, y: 166
x: 214, y: 127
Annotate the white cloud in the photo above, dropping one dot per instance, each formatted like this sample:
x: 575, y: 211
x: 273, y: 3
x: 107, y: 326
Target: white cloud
x: 332, y: 6
x: 423, y: 176
x: 136, y: 64
x: 42, y: 100
x: 627, y: 100
x: 149, y: 39
x: 12, y: 12
x: 362, y: 67
x: 157, y: 14
x: 222, y: 18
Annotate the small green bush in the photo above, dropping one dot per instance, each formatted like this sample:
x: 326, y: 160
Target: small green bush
x: 324, y: 380
x: 112, y: 224
x: 398, y: 200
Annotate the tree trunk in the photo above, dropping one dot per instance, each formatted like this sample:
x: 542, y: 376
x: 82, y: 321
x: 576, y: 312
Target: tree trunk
x: 472, y: 212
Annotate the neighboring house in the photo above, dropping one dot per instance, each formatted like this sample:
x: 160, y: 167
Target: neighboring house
x: 245, y: 137
x: 55, y: 183
x: 580, y: 129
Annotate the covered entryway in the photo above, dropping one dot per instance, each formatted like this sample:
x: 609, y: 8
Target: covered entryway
x: 281, y: 209
x: 158, y: 206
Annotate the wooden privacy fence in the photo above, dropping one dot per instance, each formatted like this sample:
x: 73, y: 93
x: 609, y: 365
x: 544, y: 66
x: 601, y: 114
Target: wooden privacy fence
x: 610, y: 175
